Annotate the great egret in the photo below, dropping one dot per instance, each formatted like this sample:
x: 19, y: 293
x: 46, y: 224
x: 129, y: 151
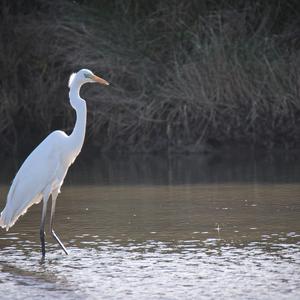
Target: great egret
x: 43, y: 172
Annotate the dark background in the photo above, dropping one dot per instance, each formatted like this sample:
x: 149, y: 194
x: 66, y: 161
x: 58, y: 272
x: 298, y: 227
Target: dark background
x: 187, y: 76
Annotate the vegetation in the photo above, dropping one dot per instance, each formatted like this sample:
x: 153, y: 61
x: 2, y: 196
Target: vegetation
x: 186, y: 75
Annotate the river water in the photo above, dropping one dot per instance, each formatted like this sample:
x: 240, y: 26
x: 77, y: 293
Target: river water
x: 162, y: 227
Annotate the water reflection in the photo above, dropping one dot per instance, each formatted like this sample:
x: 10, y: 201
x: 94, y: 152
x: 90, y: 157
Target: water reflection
x: 243, y: 166
x: 163, y: 228
x: 188, y: 169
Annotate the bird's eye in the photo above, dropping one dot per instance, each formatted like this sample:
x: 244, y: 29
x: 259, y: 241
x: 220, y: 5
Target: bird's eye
x: 86, y: 75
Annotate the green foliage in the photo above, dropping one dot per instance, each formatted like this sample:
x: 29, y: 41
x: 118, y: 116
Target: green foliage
x: 186, y: 75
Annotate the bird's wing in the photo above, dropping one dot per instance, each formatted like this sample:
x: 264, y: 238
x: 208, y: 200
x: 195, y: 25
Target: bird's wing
x: 36, y: 174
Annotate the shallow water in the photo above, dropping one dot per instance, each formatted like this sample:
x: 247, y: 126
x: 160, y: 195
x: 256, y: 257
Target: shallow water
x: 146, y: 227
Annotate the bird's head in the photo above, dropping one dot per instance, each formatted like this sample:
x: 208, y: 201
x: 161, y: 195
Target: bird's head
x: 85, y: 76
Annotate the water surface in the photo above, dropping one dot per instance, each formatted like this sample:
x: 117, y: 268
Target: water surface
x: 163, y: 227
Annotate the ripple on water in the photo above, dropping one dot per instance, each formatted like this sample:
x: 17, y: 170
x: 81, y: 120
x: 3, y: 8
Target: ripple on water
x: 182, y: 269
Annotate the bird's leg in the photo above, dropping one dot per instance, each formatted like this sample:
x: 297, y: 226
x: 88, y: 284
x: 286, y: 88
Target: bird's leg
x: 42, y: 227
x: 54, y: 196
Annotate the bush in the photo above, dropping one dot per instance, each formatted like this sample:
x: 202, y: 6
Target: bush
x: 186, y: 75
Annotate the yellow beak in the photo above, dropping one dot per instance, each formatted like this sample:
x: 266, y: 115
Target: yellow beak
x: 100, y: 80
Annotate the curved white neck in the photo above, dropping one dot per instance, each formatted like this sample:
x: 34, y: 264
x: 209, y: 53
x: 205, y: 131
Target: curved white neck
x: 77, y: 136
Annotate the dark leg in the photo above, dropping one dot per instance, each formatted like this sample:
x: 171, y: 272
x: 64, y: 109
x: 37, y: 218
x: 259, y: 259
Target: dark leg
x: 42, y: 227
x: 54, y: 196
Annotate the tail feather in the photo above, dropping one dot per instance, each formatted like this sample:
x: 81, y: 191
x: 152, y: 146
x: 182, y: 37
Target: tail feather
x: 6, y: 219
x: 4, y: 222
x: 9, y: 216
x: 7, y: 213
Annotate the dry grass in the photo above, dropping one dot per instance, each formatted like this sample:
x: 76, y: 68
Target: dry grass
x: 186, y: 75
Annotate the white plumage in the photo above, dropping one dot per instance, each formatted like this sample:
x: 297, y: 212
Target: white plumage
x: 72, y: 76
x: 43, y: 172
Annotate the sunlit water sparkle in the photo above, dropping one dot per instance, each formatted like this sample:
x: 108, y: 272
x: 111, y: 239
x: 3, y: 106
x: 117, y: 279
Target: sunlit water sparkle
x: 208, y: 240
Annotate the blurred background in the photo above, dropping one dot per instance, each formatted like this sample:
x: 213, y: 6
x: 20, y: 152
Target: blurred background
x: 165, y: 201
x: 187, y: 76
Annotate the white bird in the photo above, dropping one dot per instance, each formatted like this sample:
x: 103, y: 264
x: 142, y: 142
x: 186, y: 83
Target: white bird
x: 43, y: 172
